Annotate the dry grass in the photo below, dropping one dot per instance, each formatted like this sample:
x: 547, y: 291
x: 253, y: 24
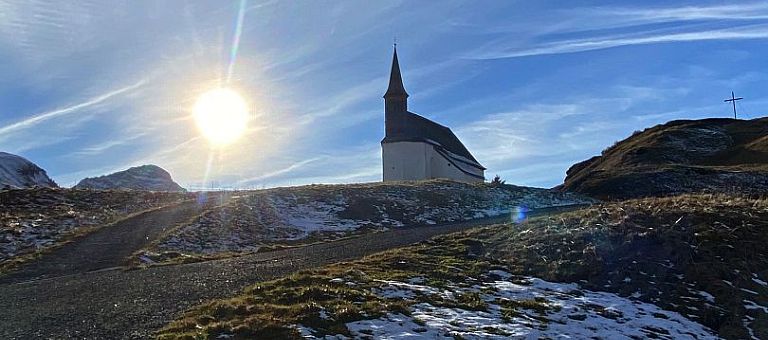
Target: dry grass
x: 277, y: 218
x: 714, y: 155
x: 316, y: 300
x: 664, y: 249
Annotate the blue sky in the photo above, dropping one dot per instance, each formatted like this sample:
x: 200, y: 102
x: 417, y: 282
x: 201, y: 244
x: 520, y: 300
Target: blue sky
x: 92, y: 87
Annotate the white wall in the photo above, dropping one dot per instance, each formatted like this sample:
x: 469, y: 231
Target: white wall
x: 405, y: 161
x: 418, y: 160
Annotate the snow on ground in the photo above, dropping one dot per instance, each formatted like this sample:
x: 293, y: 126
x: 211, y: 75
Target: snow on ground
x: 522, y: 308
x: 313, y: 216
x: 324, y: 212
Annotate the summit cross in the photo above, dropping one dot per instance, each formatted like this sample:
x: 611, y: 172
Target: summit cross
x: 733, y: 101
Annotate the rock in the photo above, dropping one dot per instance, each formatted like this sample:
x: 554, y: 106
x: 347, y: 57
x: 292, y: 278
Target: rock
x: 145, y: 177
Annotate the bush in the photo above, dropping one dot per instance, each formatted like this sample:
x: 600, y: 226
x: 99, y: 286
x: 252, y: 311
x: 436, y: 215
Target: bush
x: 498, y: 181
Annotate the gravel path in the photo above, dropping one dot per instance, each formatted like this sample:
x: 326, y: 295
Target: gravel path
x: 117, y: 304
x: 107, y: 247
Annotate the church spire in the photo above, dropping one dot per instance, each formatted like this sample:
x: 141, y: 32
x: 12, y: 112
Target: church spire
x: 395, y: 99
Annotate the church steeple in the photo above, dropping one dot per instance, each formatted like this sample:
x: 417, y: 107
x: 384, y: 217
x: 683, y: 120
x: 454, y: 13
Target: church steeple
x: 396, y: 99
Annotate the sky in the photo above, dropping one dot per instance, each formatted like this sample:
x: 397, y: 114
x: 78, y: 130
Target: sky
x: 91, y: 87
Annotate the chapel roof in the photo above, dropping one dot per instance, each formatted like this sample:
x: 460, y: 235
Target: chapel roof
x: 415, y: 128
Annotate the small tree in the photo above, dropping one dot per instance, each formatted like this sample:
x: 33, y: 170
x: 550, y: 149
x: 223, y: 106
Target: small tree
x: 498, y: 181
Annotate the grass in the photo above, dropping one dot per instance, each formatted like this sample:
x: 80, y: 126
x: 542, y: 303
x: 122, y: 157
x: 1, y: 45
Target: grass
x: 265, y: 220
x: 322, y: 300
x: 683, y: 156
x: 664, y: 251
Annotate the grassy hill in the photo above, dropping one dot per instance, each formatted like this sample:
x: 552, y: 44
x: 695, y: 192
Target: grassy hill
x: 656, y: 267
x: 684, y: 156
x: 263, y: 219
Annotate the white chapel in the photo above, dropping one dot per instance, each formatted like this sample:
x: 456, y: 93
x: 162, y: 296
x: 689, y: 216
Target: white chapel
x: 416, y: 148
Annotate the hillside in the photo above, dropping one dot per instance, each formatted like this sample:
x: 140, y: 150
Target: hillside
x: 35, y: 219
x: 18, y: 172
x: 259, y: 220
x: 691, y: 266
x: 683, y: 156
x: 700, y: 255
x: 145, y: 177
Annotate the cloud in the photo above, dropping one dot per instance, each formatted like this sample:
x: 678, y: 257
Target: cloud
x: 275, y: 173
x: 533, y: 142
x: 100, y: 148
x: 753, y: 11
x: 42, y: 117
x: 604, y: 42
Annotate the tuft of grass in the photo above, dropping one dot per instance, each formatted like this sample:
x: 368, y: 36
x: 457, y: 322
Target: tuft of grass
x: 471, y: 301
x: 510, y: 309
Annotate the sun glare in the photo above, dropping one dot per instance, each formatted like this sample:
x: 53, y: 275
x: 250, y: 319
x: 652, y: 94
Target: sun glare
x: 221, y: 115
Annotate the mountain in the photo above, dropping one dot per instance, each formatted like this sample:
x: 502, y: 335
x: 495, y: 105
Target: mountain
x: 18, y: 172
x: 145, y: 177
x: 682, y: 156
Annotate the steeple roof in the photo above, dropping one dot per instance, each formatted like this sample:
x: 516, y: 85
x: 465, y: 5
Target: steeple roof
x: 396, y: 87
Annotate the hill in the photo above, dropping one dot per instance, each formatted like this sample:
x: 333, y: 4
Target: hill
x: 259, y: 220
x: 692, y: 266
x: 32, y: 220
x: 145, y: 177
x: 18, y: 172
x: 683, y: 156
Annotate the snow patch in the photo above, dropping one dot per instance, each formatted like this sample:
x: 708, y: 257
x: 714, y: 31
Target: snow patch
x: 567, y: 312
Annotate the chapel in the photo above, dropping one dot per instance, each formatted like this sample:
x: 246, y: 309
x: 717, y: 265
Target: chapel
x: 416, y: 148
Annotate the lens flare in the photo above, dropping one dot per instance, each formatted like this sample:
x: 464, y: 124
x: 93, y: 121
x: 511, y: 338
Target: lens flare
x: 519, y: 214
x: 221, y: 115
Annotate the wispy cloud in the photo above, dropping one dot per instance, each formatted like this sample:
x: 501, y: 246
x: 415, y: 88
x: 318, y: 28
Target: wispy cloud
x: 744, y: 11
x: 602, y: 42
x: 275, y: 173
x: 44, y: 116
x: 100, y: 148
x: 351, y: 165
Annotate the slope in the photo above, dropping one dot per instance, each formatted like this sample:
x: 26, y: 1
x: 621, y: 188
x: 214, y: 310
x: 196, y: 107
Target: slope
x: 711, y: 155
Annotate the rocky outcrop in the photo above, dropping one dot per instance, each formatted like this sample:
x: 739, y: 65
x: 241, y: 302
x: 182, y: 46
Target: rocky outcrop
x: 145, y: 177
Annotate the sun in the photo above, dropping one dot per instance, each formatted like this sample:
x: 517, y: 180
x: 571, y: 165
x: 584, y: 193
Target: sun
x: 221, y: 115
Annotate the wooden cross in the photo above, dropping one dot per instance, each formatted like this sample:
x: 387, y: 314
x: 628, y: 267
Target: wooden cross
x: 733, y: 101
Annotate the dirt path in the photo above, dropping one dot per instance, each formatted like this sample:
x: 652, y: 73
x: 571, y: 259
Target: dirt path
x: 115, y: 304
x: 107, y: 247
